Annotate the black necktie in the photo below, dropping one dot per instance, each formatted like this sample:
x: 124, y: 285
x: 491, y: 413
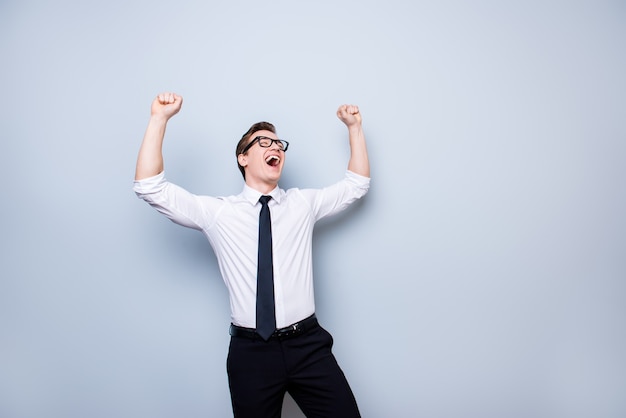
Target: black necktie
x: 265, y: 315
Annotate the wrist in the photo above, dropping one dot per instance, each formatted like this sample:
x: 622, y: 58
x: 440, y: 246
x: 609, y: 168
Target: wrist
x: 355, y: 128
x: 158, y: 119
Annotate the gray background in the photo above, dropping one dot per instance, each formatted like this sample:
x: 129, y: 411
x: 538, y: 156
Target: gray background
x: 482, y: 276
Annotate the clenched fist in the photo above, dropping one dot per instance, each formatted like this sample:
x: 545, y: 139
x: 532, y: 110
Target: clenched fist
x: 166, y: 105
x: 349, y: 114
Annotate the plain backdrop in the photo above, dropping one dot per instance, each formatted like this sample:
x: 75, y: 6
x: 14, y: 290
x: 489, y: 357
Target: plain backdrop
x: 483, y: 276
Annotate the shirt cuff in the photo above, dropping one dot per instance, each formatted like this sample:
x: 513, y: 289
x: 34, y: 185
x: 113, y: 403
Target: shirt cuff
x: 357, y: 178
x: 150, y: 184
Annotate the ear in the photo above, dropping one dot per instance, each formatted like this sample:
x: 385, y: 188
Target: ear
x: 242, y: 159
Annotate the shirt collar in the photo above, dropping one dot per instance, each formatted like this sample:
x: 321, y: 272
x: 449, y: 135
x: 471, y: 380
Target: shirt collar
x: 252, y: 195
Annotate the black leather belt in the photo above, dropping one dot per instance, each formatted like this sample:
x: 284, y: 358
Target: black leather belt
x: 287, y: 332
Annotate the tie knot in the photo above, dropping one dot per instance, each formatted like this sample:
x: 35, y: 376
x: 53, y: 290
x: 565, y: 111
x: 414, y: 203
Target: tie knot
x: 264, y: 199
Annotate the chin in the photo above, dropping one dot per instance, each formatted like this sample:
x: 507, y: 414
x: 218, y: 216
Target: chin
x: 275, y: 174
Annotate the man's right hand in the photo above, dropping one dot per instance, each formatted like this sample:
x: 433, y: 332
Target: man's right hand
x: 150, y: 159
x: 166, y: 105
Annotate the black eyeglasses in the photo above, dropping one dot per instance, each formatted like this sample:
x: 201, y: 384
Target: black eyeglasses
x: 266, y: 142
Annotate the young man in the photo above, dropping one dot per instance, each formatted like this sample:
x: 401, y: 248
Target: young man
x: 262, y: 239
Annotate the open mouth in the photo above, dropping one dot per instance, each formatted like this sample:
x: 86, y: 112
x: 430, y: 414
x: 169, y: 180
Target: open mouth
x: 272, y: 160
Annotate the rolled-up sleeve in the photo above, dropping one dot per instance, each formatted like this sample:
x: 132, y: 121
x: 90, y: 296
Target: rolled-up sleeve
x: 177, y: 204
x: 335, y: 198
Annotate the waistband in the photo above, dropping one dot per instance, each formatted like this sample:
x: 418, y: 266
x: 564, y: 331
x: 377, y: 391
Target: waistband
x: 282, y: 333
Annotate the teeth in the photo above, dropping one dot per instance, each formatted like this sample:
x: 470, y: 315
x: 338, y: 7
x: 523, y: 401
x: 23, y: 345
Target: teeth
x: 272, y: 157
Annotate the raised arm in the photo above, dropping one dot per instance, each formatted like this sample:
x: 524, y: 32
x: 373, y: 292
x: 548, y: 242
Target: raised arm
x: 150, y: 159
x: 359, y: 161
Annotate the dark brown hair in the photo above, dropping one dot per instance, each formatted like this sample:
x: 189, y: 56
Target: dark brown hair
x: 245, y: 139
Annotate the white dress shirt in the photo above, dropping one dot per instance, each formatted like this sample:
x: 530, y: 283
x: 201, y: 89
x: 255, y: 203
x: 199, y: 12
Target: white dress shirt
x: 231, y: 224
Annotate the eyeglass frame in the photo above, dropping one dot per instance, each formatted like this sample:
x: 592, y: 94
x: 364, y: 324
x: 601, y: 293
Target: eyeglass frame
x: 258, y: 138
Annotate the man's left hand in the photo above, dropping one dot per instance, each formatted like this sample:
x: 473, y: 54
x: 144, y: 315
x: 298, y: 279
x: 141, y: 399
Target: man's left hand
x: 349, y: 114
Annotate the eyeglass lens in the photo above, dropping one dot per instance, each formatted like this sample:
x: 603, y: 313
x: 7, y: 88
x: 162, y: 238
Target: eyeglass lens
x: 266, y: 142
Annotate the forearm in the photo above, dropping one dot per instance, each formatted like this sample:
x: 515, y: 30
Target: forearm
x: 150, y: 158
x: 359, y: 161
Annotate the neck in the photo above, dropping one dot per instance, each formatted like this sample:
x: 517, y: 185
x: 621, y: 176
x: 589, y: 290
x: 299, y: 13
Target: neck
x: 262, y: 187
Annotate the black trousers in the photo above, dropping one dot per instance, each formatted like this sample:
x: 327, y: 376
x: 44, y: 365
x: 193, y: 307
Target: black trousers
x: 260, y: 372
